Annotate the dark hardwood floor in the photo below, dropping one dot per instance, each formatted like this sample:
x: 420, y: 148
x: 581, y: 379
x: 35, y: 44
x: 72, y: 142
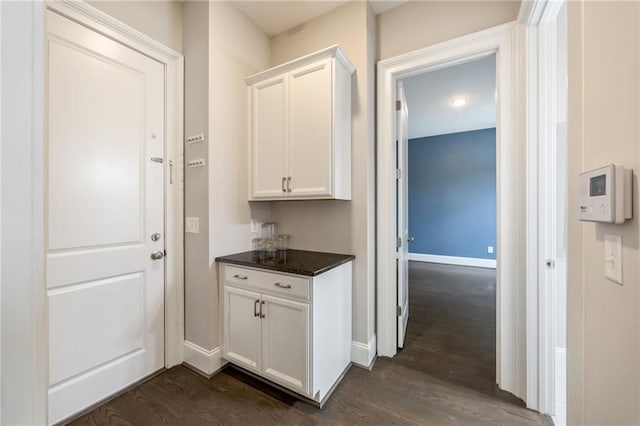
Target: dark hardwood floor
x: 444, y: 376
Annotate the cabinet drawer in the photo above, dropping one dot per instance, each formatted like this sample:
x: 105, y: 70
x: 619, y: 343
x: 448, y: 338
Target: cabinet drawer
x: 268, y: 282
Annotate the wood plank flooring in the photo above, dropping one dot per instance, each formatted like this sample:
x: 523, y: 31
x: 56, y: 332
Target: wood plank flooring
x: 444, y: 376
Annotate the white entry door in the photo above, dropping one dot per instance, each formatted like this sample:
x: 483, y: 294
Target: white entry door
x: 105, y: 216
x: 402, y: 191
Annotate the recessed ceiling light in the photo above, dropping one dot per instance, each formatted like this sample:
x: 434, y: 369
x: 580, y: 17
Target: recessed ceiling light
x: 459, y: 102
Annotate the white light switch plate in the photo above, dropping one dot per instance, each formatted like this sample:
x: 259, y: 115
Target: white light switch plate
x: 613, y: 257
x: 192, y: 225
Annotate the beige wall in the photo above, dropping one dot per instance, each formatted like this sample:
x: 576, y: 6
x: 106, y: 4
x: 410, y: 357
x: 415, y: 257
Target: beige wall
x: 417, y: 24
x: 160, y: 20
x: 603, y: 317
x: 237, y: 49
x: 341, y: 226
x: 196, y: 196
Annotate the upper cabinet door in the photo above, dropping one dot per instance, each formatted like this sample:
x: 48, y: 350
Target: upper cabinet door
x: 301, y: 129
x: 269, y: 138
x: 310, y: 131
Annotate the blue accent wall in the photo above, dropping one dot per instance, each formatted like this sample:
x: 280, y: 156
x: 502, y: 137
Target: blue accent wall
x: 452, y: 194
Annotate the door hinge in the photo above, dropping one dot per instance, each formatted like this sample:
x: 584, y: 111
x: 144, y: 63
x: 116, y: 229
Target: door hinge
x: 399, y: 311
x: 398, y: 242
x: 398, y: 105
x: 398, y: 173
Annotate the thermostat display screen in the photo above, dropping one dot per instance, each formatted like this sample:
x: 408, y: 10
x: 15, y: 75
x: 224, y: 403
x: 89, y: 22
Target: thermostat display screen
x: 598, y: 186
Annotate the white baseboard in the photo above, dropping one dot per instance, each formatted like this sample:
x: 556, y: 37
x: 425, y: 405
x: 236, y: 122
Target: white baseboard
x: 207, y: 362
x: 453, y: 260
x: 363, y: 354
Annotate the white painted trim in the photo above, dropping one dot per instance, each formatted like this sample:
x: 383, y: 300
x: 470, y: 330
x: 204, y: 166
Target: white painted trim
x: 24, y: 340
x: 363, y: 354
x: 1, y: 218
x: 99, y: 21
x: 334, y: 51
x: 453, y: 260
x: 205, y: 361
x: 510, y: 355
x: 539, y: 47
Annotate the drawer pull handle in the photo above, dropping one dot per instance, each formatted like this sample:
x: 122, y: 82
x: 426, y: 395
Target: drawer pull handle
x: 255, y: 308
x: 261, y: 314
x: 240, y: 277
x: 282, y: 285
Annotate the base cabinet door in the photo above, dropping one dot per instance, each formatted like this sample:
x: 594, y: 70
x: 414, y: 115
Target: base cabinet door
x: 242, y: 334
x: 286, y: 343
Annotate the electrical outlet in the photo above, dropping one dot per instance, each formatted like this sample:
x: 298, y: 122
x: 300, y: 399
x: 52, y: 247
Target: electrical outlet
x: 195, y: 138
x: 196, y: 163
x: 490, y: 249
x: 192, y: 225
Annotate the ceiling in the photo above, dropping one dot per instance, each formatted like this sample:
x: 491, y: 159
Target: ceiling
x: 275, y: 17
x: 429, y: 99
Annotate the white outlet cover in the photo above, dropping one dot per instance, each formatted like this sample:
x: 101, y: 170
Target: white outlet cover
x: 192, y: 225
x: 613, y: 257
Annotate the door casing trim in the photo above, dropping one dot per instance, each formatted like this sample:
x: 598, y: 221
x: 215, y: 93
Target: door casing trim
x: 502, y: 40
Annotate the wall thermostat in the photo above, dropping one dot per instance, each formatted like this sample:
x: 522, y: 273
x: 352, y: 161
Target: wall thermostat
x: 605, y: 194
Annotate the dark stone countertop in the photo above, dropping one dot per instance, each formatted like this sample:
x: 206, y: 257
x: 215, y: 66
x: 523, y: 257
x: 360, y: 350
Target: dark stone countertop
x: 301, y: 262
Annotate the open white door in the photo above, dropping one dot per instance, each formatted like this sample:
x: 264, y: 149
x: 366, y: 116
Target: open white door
x: 402, y: 194
x: 105, y: 216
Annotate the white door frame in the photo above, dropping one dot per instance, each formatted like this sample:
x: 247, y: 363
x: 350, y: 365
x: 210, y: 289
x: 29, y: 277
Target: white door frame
x: 25, y: 350
x: 173, y: 62
x: 24, y: 361
x: 511, y: 331
x: 539, y: 20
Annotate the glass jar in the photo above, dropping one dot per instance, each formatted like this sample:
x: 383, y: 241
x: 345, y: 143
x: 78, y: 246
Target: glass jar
x: 283, y: 242
x: 271, y: 247
x: 258, y: 244
x: 269, y: 231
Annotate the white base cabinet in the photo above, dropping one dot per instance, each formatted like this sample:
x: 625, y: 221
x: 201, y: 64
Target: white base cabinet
x: 292, y: 330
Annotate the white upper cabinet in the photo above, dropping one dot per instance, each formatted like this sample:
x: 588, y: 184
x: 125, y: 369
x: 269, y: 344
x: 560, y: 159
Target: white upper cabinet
x: 301, y: 129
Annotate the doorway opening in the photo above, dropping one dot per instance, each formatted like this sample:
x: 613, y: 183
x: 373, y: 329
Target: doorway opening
x: 447, y: 220
x: 510, y: 347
